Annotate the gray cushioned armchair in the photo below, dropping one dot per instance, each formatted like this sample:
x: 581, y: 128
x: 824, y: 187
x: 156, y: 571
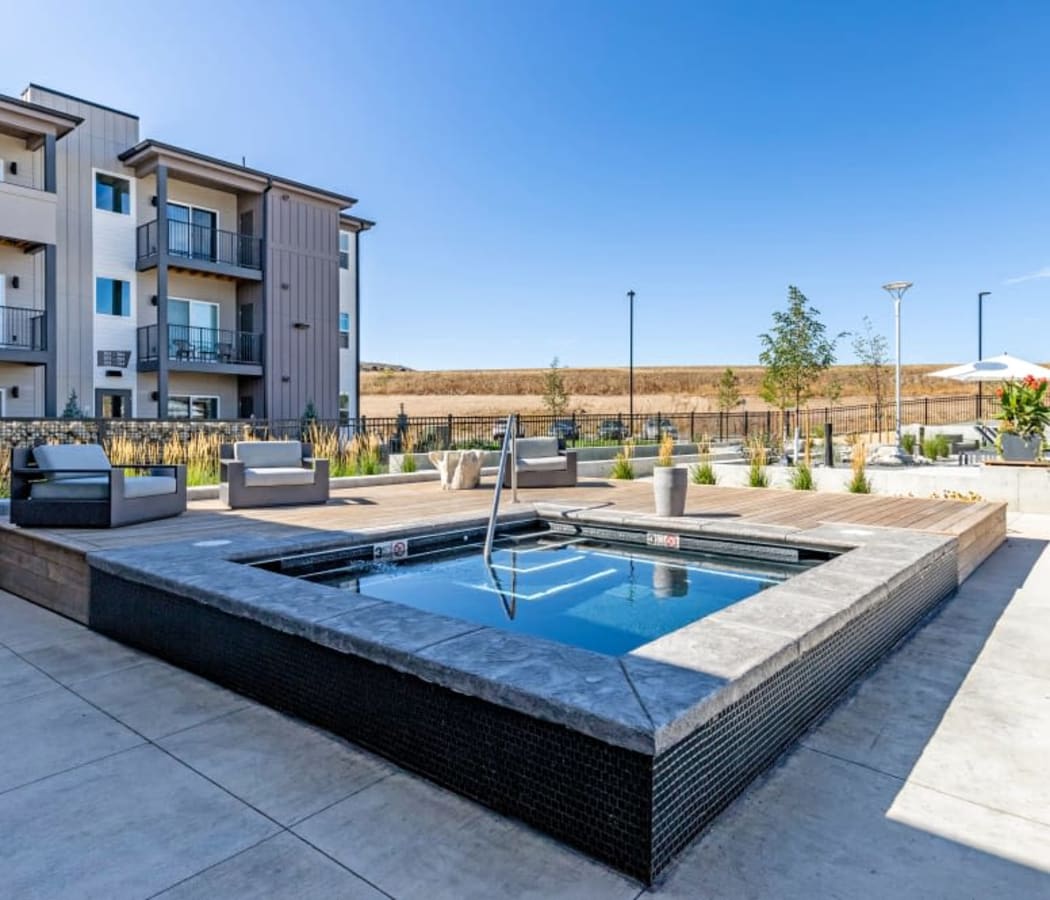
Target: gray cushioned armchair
x: 541, y: 464
x: 75, y: 486
x: 271, y: 473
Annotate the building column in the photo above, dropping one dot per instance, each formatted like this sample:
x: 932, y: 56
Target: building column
x: 162, y: 292
x: 50, y: 166
x: 354, y: 401
x: 51, y: 330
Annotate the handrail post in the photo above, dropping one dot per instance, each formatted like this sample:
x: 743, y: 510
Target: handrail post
x: 509, y: 443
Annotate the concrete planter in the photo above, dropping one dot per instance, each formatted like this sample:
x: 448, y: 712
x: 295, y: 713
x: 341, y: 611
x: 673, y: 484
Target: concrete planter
x: 1015, y: 448
x: 669, y: 486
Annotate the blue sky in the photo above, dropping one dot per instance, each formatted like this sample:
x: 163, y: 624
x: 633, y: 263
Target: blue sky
x: 529, y: 162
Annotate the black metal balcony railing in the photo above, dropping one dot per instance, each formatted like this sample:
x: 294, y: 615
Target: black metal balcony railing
x: 22, y: 329
x: 187, y: 343
x: 201, y: 242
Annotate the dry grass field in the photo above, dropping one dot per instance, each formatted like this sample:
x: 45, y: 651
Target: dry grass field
x: 669, y: 389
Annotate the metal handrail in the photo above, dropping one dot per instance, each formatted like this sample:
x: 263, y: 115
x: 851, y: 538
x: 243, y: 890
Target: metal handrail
x: 510, y: 443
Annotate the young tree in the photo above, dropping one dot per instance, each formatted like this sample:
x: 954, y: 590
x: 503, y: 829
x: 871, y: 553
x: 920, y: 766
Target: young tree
x: 873, y: 351
x: 72, y: 408
x: 555, y: 397
x: 796, y: 351
x: 728, y: 390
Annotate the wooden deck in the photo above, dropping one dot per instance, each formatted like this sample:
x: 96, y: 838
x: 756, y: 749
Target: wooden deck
x: 48, y: 565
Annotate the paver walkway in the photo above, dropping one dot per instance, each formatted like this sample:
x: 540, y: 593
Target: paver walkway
x: 122, y: 776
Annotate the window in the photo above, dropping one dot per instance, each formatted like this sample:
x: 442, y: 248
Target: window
x: 344, y: 330
x: 191, y: 231
x: 112, y: 297
x: 1, y: 170
x: 112, y: 194
x: 187, y: 406
x: 193, y: 329
x: 344, y: 249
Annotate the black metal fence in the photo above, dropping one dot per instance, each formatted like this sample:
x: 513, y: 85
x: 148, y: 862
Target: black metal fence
x: 420, y: 433
x: 22, y: 329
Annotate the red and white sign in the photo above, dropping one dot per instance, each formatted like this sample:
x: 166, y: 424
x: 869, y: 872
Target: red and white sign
x: 666, y: 541
x: 390, y: 550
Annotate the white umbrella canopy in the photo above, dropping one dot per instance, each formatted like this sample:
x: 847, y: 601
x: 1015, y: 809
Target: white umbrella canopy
x: 996, y: 368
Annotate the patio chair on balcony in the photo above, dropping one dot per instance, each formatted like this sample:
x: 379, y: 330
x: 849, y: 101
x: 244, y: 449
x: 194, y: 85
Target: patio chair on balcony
x: 271, y: 473
x: 183, y: 349
x: 75, y: 486
x: 224, y: 352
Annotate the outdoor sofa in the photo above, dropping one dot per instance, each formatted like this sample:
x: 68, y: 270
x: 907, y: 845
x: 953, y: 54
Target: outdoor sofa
x: 75, y: 486
x: 271, y: 473
x: 541, y: 464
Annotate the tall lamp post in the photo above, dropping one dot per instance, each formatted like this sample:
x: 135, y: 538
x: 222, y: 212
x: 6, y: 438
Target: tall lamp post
x: 980, y: 347
x: 630, y: 365
x: 896, y: 290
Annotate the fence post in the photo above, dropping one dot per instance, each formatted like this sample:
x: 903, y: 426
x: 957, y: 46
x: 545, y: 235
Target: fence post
x: 448, y: 437
x: 925, y: 410
x: 745, y: 425
x: 692, y: 425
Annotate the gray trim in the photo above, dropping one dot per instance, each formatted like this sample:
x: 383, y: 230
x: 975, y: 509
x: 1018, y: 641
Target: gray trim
x: 149, y: 143
x: 162, y: 292
x: 354, y: 403
x: 74, y: 98
x: 50, y: 174
x: 356, y: 223
x: 123, y: 393
x: 51, y: 330
x: 263, y: 322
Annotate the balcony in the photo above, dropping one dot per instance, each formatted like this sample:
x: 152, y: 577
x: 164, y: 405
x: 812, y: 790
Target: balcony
x: 23, y: 334
x: 192, y: 349
x: 200, y: 248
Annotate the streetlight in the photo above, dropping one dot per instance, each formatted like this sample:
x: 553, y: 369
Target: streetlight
x: 980, y: 347
x: 896, y: 290
x: 630, y: 376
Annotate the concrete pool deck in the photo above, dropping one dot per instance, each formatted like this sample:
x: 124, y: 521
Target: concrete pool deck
x: 121, y: 776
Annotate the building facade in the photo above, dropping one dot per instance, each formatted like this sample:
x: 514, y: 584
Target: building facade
x: 157, y: 282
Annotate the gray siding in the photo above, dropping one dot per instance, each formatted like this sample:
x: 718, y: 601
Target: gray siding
x: 302, y: 285
x: 95, y: 143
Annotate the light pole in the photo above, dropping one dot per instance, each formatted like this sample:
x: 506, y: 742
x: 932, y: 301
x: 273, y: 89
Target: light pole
x: 980, y: 347
x: 896, y: 290
x: 630, y: 366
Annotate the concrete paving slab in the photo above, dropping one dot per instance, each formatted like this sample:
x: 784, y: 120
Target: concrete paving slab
x: 280, y: 867
x: 818, y: 827
x: 19, y: 679
x: 1021, y: 640
x: 889, y: 720
x: 25, y: 626
x: 82, y: 656
x: 156, y: 699
x: 991, y: 746
x: 125, y: 826
x: 414, y: 840
x: 53, y: 731
x: 281, y: 766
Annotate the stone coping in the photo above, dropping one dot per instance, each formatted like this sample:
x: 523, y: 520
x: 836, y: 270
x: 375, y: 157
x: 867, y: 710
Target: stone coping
x: 646, y: 700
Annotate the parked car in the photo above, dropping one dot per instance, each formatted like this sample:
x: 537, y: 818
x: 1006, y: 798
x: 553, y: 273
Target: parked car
x: 564, y: 430
x: 500, y: 429
x: 653, y: 430
x: 612, y: 430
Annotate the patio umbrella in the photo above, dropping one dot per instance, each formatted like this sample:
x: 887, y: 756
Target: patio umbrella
x: 996, y: 368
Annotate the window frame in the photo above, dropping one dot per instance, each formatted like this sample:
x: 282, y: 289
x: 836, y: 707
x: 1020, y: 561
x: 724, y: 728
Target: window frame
x: 190, y: 398
x: 192, y: 252
x: 344, y: 255
x: 130, y: 297
x: 94, y: 191
x: 344, y: 333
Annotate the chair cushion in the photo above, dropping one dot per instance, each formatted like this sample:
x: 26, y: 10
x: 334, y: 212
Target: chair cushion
x: 260, y: 454
x: 543, y: 464
x: 272, y: 476
x: 96, y: 487
x: 148, y: 486
x: 87, y: 457
x: 88, y: 487
x: 537, y: 447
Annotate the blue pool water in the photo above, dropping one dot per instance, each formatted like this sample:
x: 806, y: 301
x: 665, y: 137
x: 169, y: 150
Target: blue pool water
x: 606, y: 598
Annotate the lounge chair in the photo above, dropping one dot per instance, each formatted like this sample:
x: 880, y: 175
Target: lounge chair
x: 75, y: 486
x: 540, y: 464
x: 271, y: 473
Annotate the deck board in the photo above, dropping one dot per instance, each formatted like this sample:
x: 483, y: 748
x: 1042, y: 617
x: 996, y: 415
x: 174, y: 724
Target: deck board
x: 980, y: 527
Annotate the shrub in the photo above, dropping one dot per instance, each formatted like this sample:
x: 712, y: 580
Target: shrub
x: 859, y: 483
x: 802, y: 478
x: 408, y: 447
x: 622, y: 467
x: 757, y: 476
x: 935, y: 446
x: 704, y: 473
x: 665, y: 455
x: 908, y: 443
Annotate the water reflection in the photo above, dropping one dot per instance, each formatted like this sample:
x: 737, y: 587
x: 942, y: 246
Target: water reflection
x: 670, y: 581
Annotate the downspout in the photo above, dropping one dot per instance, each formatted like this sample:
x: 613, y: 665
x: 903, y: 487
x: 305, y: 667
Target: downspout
x: 355, y: 394
x: 267, y: 374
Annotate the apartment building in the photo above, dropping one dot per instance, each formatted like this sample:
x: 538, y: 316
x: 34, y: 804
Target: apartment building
x: 158, y: 282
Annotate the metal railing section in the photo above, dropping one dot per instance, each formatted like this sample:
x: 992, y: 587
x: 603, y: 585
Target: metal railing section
x: 510, y: 444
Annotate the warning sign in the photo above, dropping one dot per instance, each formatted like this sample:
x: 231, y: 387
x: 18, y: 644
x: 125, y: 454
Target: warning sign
x: 390, y: 550
x: 666, y: 541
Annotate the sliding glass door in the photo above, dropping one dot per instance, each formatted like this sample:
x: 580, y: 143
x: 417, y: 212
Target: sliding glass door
x: 191, y: 231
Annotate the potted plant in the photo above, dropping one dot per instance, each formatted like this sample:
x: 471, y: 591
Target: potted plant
x: 669, y: 482
x: 1024, y: 416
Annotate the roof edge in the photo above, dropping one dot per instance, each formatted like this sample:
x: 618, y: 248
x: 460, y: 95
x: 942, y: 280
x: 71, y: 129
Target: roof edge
x: 76, y: 99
